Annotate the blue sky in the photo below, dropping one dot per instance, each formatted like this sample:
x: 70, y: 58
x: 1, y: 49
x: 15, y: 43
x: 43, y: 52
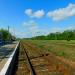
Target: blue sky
x: 27, y: 18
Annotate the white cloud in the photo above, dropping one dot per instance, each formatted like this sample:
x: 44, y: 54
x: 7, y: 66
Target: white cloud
x: 30, y: 23
x: 32, y: 27
x: 36, y: 14
x: 57, y: 14
x: 20, y: 33
x: 28, y: 12
x: 56, y: 29
x: 62, y: 13
x: 70, y: 27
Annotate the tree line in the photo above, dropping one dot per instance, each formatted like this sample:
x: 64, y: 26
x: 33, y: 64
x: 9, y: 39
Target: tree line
x: 65, y: 35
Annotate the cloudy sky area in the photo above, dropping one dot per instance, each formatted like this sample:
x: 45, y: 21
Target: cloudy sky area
x: 27, y: 18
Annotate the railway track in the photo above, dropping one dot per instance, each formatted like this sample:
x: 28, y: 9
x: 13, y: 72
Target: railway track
x: 34, y: 61
x: 32, y: 71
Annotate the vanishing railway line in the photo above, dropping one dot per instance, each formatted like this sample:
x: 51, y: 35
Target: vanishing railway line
x: 32, y: 71
x: 35, y: 61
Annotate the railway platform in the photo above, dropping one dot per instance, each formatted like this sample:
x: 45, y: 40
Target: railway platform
x: 6, y: 57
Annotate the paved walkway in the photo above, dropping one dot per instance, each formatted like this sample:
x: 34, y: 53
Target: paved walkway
x: 5, y: 52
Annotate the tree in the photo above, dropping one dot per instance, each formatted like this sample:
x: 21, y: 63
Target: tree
x: 5, y: 35
x: 68, y: 35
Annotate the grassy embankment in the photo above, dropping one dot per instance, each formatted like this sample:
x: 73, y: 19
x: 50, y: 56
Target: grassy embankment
x: 61, y: 48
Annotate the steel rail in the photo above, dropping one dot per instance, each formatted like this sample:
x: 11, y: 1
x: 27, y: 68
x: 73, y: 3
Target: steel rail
x: 32, y: 71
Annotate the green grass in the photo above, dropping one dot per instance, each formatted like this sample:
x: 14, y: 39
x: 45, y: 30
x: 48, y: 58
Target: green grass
x: 62, y: 48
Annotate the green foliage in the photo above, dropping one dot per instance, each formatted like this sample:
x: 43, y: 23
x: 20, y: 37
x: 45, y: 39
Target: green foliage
x: 41, y: 46
x: 39, y: 37
x: 66, y: 35
x: 61, y: 53
x: 5, y: 35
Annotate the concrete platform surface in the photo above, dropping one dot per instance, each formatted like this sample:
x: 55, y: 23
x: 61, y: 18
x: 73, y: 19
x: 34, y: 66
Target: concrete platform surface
x: 5, y: 52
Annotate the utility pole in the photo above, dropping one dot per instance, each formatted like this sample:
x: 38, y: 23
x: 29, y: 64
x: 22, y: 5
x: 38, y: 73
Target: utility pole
x: 8, y: 33
x: 8, y: 28
x: 13, y: 38
x: 13, y: 31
